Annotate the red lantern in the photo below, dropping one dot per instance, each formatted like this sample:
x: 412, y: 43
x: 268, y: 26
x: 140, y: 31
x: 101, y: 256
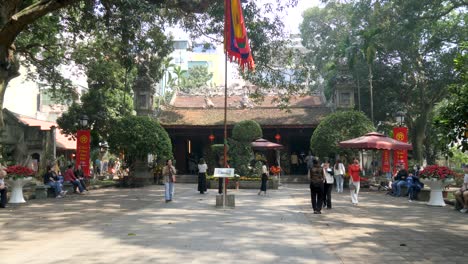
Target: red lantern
x: 278, y: 137
x: 211, y: 137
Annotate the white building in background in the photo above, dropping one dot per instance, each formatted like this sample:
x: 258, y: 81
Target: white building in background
x: 26, y: 98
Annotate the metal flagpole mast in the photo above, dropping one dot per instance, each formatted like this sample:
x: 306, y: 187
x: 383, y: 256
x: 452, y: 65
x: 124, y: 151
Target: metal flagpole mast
x: 225, y: 127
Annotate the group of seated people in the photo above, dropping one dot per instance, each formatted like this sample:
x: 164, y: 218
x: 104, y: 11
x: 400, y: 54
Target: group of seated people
x: 53, y: 179
x: 409, y: 180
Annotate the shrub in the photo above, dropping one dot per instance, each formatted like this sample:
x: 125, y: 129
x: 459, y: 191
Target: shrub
x: 247, y: 131
x: 138, y: 136
x: 339, y: 126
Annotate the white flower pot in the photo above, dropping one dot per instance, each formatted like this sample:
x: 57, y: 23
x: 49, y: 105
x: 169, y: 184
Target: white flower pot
x: 17, y: 189
x: 437, y: 186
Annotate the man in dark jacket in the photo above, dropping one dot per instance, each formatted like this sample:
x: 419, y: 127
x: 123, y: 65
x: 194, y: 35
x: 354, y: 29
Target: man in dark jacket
x: 316, y: 186
x: 400, y: 181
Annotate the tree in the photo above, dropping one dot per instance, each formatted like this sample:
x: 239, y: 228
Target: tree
x: 240, y: 150
x: 196, y: 79
x: 452, y: 116
x: 146, y: 137
x: 43, y: 32
x: 103, y: 108
x: 407, y: 47
x: 339, y: 126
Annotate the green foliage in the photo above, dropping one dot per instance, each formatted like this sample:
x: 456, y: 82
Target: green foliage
x: 247, y: 131
x: 197, y: 79
x: 337, y: 127
x: 138, y: 136
x: 103, y: 108
x: 402, y: 50
x: 241, y: 154
x: 452, y: 117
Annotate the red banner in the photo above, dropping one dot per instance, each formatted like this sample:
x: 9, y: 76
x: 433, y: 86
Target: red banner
x: 400, y: 156
x: 386, y: 160
x: 83, y: 139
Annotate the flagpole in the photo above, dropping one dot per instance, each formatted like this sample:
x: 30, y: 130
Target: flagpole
x: 225, y: 126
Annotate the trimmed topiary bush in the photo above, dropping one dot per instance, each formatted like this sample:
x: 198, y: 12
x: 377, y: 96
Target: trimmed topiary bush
x: 247, y: 131
x: 339, y: 126
x: 138, y: 136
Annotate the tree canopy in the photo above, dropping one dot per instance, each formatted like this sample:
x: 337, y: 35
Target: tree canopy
x: 339, y: 126
x: 146, y: 136
x: 401, y: 51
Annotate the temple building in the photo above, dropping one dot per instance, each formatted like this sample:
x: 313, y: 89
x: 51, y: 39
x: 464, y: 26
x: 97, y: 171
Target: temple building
x: 196, y: 122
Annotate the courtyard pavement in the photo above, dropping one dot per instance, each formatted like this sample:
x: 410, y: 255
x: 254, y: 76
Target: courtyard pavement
x: 136, y: 226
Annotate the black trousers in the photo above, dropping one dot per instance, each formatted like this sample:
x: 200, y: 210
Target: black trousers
x: 3, y: 197
x: 220, y: 185
x: 202, y: 182
x: 327, y: 195
x: 316, y: 196
x: 83, y: 184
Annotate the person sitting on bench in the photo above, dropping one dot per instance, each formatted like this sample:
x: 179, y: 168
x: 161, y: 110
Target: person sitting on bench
x: 462, y: 194
x: 52, y: 180
x: 414, y: 186
x: 70, y: 177
x: 3, y: 188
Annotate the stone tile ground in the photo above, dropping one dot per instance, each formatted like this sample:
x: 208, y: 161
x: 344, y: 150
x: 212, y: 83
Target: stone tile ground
x: 136, y: 226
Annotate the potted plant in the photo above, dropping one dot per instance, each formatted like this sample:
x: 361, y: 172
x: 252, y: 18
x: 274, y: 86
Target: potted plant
x: 436, y: 177
x: 17, y: 177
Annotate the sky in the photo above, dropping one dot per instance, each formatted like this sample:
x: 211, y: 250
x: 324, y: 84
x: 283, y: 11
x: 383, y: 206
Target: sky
x: 294, y: 15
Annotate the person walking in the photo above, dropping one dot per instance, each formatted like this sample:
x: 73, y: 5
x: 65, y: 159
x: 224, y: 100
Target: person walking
x: 339, y: 172
x: 328, y: 186
x: 316, y: 178
x: 202, y: 167
x: 354, y: 181
x: 263, y: 186
x: 169, y: 174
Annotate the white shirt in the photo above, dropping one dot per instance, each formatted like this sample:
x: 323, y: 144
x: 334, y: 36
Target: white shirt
x: 2, y: 182
x: 329, y: 178
x: 465, y: 179
x: 202, y: 168
x: 264, y: 169
x: 340, y: 170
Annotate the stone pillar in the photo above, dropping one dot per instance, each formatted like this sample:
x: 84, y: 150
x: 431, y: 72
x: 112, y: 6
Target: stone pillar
x: 142, y: 175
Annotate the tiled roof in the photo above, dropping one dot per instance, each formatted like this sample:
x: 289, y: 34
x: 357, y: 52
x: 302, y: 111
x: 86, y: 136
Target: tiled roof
x: 189, y: 111
x: 62, y: 140
x: 264, y: 116
x: 233, y: 101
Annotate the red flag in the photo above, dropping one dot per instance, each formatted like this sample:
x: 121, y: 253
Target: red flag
x: 236, y: 43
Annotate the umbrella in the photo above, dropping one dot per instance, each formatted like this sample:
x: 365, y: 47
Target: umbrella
x: 263, y: 144
x: 374, y: 140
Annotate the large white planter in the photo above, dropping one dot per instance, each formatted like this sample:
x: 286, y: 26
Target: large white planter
x: 17, y: 189
x: 437, y: 186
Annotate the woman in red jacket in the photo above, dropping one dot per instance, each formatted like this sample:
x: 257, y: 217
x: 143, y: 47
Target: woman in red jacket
x: 355, y: 180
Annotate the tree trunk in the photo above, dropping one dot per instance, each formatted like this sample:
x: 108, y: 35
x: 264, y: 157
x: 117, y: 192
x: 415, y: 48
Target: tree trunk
x: 419, y: 134
x: 371, y: 88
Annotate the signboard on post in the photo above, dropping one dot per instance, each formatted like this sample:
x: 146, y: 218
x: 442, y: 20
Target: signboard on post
x: 83, y: 151
x: 223, y: 172
x: 401, y: 156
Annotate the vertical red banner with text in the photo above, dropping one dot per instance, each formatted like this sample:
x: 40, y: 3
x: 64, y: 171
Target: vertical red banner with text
x: 386, y: 160
x: 83, y: 140
x: 400, y: 156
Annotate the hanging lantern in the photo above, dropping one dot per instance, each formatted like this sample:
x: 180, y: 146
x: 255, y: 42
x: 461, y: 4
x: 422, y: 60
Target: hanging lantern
x: 211, y: 137
x: 278, y: 137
